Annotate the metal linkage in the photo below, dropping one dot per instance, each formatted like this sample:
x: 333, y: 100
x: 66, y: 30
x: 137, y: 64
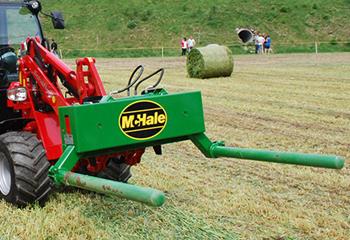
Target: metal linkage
x: 161, y: 71
x: 139, y: 71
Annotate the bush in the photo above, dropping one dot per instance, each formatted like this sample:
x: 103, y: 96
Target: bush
x: 284, y: 9
x: 212, y: 13
x: 131, y: 24
x: 145, y: 16
x: 333, y: 42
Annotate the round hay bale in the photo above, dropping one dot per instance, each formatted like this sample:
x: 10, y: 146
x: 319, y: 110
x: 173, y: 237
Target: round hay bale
x: 210, y: 61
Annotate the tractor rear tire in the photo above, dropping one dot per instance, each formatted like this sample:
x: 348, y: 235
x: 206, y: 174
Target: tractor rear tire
x: 23, y: 169
x: 116, y: 170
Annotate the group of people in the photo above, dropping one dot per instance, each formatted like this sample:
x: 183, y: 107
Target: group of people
x: 187, y: 45
x: 262, y: 43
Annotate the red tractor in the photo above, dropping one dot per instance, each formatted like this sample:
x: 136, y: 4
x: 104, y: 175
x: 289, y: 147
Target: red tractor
x: 30, y: 95
x: 58, y: 126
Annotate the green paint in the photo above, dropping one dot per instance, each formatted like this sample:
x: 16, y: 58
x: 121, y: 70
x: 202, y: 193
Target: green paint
x: 314, y: 160
x: 96, y: 130
x: 95, y: 126
x: 136, y: 193
x: 217, y: 149
x: 61, y: 174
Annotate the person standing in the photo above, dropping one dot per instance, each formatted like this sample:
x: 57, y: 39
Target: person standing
x: 54, y: 47
x: 184, y: 46
x: 191, y: 43
x: 267, y: 45
x: 256, y: 41
x: 261, y: 41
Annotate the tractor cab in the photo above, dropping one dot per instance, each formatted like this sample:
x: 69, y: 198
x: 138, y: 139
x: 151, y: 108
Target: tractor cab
x: 18, y: 21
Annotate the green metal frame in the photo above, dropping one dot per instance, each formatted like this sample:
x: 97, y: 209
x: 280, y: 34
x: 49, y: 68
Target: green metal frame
x: 184, y: 113
x: 94, y: 131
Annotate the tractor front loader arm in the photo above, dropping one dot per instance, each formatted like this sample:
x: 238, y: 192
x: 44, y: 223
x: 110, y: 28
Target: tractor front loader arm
x: 40, y: 73
x: 82, y: 83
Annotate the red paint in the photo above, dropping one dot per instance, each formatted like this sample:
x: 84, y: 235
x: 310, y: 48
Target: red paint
x: 45, y: 97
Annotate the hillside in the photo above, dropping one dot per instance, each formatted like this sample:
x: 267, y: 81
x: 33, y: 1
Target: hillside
x: 108, y: 24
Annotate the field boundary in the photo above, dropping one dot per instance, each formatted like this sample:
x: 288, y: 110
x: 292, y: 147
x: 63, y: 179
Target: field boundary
x: 237, y: 48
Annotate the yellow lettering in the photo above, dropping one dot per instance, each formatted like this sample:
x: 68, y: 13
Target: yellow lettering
x: 161, y: 118
x: 141, y: 119
x: 150, y: 120
x: 155, y: 118
x: 127, y: 121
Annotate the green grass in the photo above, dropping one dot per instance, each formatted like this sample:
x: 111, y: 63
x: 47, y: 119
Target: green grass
x: 296, y: 102
x: 236, y: 49
x: 93, y: 216
x: 106, y: 25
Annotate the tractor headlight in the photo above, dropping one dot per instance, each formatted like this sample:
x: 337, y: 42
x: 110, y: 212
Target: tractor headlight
x: 17, y: 94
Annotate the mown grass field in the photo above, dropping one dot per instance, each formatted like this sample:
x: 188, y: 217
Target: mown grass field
x: 282, y: 102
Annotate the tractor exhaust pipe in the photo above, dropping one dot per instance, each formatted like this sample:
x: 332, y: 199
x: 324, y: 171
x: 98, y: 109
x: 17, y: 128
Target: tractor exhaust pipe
x: 246, y: 35
x: 145, y: 195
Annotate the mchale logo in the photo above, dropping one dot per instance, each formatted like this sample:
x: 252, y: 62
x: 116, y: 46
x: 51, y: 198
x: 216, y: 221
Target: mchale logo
x: 142, y: 120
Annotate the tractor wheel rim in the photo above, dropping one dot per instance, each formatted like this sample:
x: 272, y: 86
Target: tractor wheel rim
x: 5, y: 175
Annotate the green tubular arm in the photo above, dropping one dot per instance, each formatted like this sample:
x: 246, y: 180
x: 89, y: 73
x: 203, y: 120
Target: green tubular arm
x: 145, y: 195
x: 217, y: 149
x: 61, y: 173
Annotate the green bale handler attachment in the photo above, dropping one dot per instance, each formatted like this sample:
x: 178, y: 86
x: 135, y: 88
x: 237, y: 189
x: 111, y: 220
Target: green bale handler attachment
x: 155, y: 118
